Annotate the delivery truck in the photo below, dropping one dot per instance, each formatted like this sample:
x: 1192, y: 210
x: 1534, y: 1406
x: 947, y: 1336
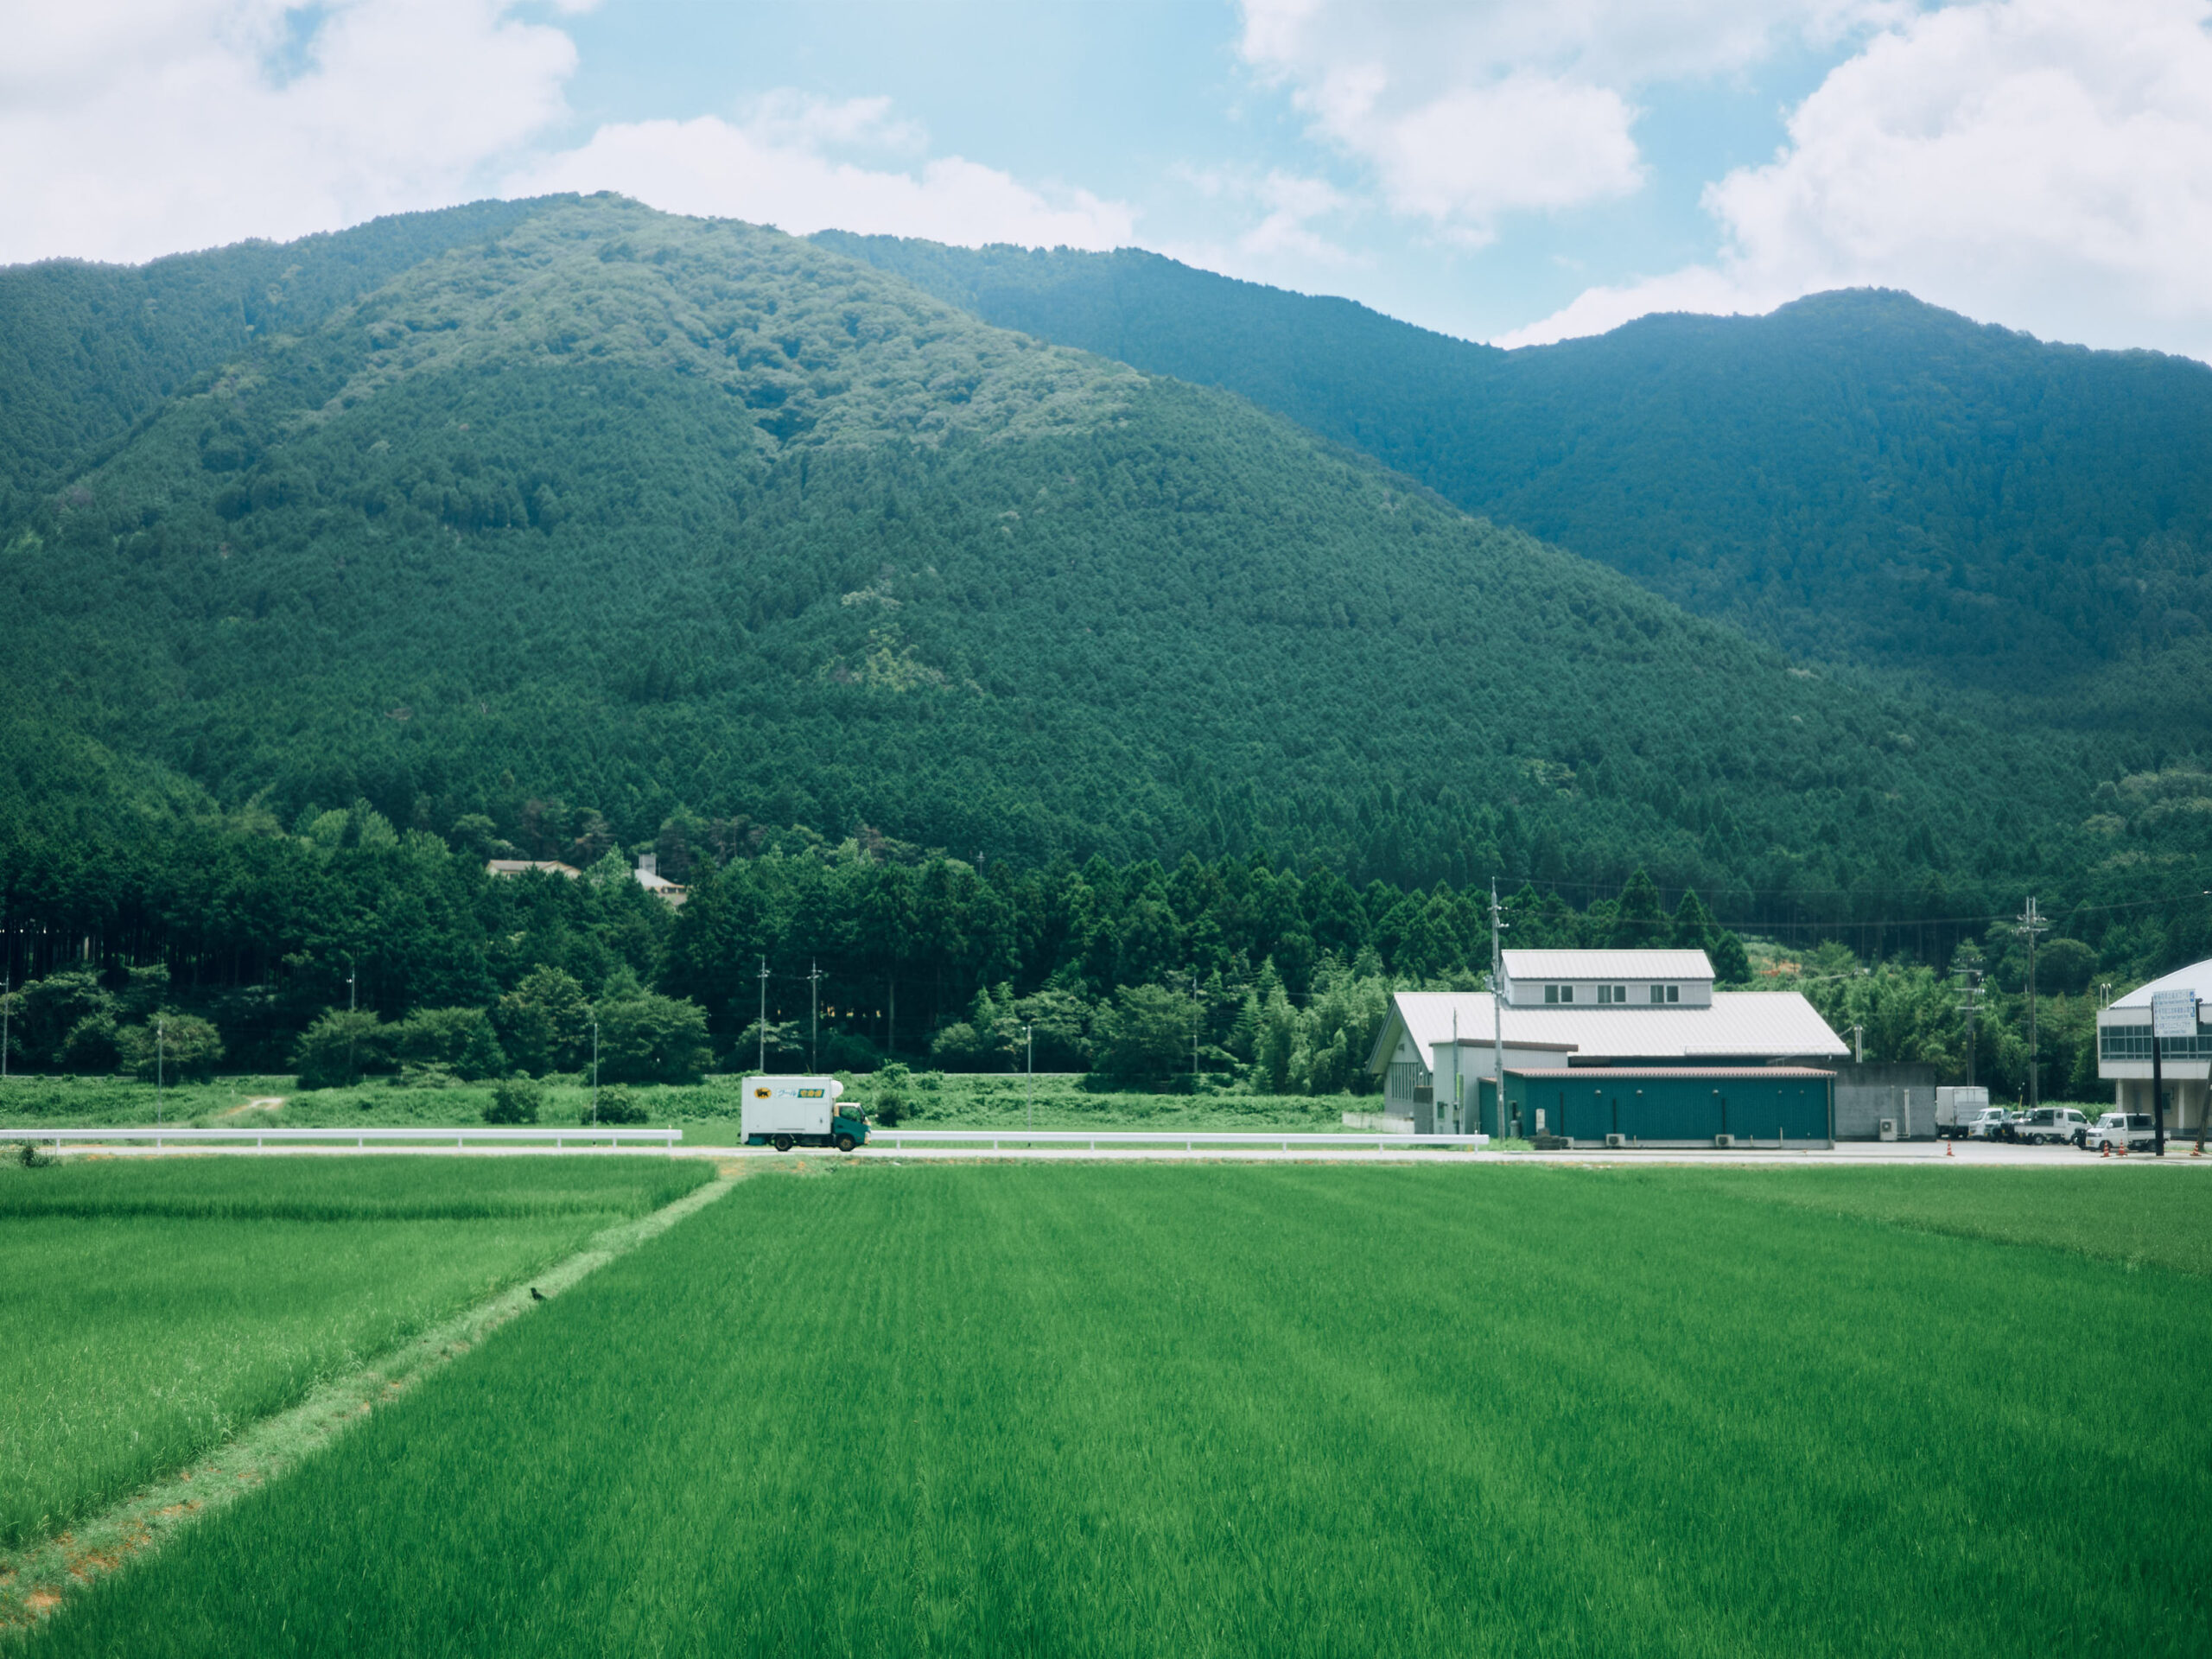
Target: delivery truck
x: 787, y: 1112
x: 1957, y: 1110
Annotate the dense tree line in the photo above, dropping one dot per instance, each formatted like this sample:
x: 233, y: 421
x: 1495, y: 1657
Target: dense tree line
x: 342, y: 946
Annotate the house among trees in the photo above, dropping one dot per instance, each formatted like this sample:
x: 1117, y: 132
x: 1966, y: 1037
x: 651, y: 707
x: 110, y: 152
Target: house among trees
x: 517, y: 866
x: 1562, y: 1012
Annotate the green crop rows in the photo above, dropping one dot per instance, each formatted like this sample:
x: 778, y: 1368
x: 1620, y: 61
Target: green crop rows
x: 1141, y: 1409
x: 151, y: 1309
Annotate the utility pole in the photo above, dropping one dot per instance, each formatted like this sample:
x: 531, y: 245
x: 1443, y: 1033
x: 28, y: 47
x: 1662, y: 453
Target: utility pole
x: 762, y: 1028
x: 160, y: 1045
x: 7, y: 1008
x: 1971, y: 1007
x: 1194, y: 1031
x: 2032, y: 924
x: 1497, y: 1007
x: 1029, y: 1042
x: 1859, y: 1044
x: 353, y: 993
x: 595, y: 1070
x: 814, y: 1005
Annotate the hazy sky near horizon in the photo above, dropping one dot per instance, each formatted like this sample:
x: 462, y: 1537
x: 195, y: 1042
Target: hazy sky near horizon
x: 1500, y: 171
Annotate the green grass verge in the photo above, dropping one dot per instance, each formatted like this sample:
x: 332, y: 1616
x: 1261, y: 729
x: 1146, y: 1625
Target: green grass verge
x: 1273, y: 1409
x: 708, y: 1112
x: 151, y: 1309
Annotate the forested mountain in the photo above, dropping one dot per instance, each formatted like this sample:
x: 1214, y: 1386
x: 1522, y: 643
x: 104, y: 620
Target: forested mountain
x: 86, y: 350
x: 638, y: 513
x: 1858, y: 477
x: 589, y: 531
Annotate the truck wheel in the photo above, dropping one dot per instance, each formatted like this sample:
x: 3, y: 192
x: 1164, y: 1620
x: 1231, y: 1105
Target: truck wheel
x: 846, y: 1143
x: 783, y: 1143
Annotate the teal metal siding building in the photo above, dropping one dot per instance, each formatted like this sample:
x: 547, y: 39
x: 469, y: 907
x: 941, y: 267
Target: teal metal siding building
x: 1667, y: 1105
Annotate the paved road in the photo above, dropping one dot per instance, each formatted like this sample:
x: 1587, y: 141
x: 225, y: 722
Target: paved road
x: 1963, y: 1155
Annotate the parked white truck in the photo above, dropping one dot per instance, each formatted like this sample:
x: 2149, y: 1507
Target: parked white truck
x: 1956, y: 1109
x: 787, y: 1112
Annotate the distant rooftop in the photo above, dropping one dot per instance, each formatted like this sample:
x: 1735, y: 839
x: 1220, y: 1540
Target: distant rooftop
x: 1607, y: 965
x: 517, y: 866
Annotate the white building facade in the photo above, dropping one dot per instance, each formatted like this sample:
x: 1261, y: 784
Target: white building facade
x: 2124, y: 1050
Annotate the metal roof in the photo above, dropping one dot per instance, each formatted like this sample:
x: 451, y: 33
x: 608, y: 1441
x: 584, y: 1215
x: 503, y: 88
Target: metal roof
x: 2197, y: 977
x: 1766, y: 1024
x: 1600, y: 1073
x: 1607, y: 965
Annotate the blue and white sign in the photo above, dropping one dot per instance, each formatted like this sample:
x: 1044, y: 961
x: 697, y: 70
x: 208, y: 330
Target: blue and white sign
x: 2173, y: 1013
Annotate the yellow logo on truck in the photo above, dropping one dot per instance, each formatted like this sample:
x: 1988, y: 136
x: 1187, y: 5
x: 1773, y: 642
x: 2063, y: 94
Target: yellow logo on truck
x: 809, y: 1094
x: 762, y: 1094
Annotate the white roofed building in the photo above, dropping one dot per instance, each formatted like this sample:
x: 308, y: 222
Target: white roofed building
x: 2124, y: 1050
x: 1568, y: 1009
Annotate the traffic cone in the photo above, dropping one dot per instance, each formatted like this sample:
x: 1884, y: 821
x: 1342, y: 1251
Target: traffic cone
x: 2107, y: 1152
x: 1946, y: 1148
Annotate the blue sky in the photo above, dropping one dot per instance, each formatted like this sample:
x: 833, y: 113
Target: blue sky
x: 1501, y: 171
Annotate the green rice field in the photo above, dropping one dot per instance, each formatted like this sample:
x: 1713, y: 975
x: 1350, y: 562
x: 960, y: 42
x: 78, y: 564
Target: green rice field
x: 150, y: 1309
x: 1278, y: 1409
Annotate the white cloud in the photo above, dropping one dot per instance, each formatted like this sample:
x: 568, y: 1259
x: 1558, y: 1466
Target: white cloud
x: 1282, y: 235
x: 131, y: 128
x: 1466, y: 112
x: 132, y: 131
x: 2045, y: 163
x: 777, y: 168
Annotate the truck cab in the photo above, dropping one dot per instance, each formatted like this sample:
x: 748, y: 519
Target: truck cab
x: 2120, y: 1132
x: 784, y: 1112
x: 1989, y: 1124
x: 2049, y: 1126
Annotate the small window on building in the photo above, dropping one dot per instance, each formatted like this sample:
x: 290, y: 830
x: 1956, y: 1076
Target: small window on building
x: 1551, y: 993
x: 1620, y: 993
x: 1567, y: 993
x: 1658, y: 992
x: 1673, y: 993
x: 1604, y: 993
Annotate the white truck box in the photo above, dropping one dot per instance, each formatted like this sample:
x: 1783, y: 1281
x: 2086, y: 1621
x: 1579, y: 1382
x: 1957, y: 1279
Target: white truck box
x: 1957, y: 1106
x: 789, y: 1105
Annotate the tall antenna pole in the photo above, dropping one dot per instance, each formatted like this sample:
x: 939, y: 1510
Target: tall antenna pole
x: 762, y: 1028
x: 160, y: 1044
x: 814, y: 1007
x: 2032, y: 924
x: 595, y: 1070
x: 1029, y: 1042
x: 1498, y: 1003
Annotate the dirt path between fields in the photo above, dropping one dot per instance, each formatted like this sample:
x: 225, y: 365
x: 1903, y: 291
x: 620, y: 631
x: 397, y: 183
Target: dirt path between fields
x: 38, y: 1579
x: 259, y: 1103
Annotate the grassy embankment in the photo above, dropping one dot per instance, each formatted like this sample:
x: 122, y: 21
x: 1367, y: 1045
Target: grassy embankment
x: 1237, y: 1409
x: 708, y: 1113
x: 152, y: 1309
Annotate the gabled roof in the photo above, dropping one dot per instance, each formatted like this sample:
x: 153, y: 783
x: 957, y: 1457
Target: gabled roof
x: 1607, y: 965
x: 2197, y: 977
x: 1763, y: 1025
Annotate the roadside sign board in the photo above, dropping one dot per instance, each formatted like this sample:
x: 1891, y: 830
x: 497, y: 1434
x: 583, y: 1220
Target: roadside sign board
x: 2173, y: 1013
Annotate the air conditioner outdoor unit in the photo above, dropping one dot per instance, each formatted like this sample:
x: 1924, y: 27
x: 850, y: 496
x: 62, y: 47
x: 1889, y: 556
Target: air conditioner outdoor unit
x: 1724, y: 1140
x: 1613, y: 1141
x: 1889, y: 1130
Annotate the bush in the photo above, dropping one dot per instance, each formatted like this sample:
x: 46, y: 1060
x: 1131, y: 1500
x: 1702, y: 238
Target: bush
x: 892, y: 1084
x: 514, y: 1100
x: 340, y: 1048
x: 185, y: 1046
x: 460, y: 1039
x: 648, y: 1038
x: 618, y: 1105
x: 545, y: 1023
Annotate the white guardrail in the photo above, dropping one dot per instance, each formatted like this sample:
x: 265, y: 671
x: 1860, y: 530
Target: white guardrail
x: 143, y: 1138
x: 1187, y: 1141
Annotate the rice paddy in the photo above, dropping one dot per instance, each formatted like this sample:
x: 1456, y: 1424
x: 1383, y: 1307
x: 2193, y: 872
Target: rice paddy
x: 1144, y: 1409
x: 150, y: 1309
